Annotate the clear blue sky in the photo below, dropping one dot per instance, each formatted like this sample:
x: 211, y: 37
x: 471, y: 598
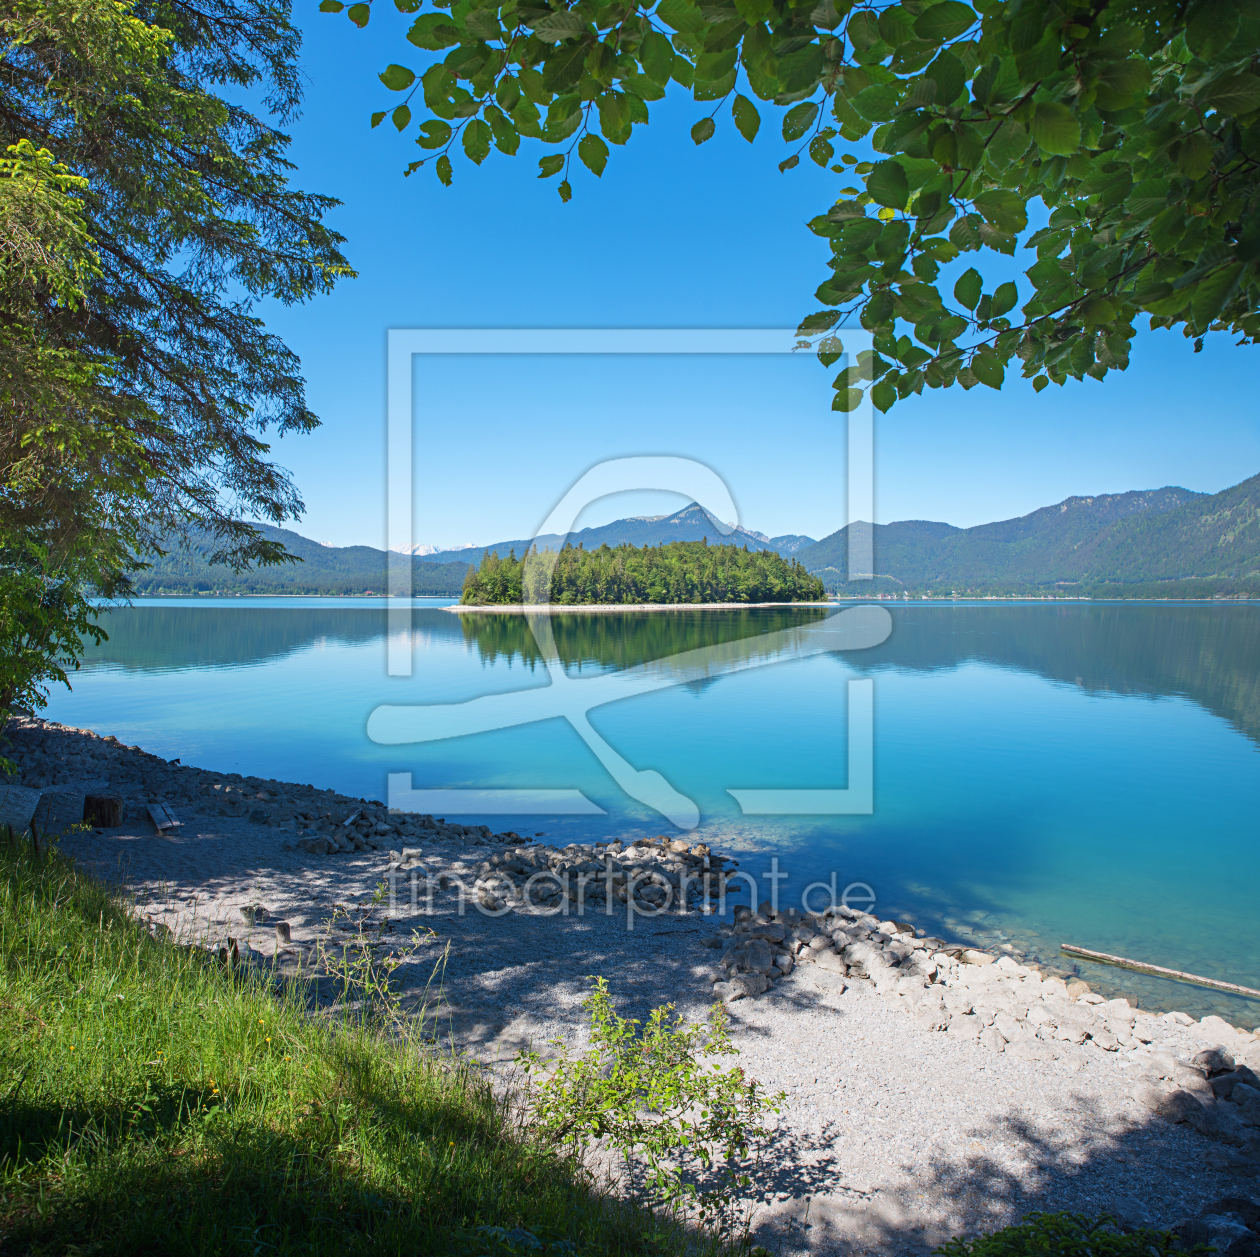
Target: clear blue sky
x: 671, y: 236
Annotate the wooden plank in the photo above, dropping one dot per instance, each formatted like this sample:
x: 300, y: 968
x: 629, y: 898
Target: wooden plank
x: 162, y: 817
x: 1158, y: 971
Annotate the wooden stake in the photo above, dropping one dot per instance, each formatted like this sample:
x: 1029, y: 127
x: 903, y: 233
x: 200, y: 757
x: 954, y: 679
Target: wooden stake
x: 1158, y: 971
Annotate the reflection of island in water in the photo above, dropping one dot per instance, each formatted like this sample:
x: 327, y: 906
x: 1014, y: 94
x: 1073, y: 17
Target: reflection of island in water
x: 1206, y: 653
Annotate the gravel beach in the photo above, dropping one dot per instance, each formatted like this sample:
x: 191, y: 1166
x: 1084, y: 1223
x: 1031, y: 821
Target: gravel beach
x: 896, y: 1135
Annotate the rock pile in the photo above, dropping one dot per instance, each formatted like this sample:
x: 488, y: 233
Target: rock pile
x: 1013, y: 1009
x: 648, y: 876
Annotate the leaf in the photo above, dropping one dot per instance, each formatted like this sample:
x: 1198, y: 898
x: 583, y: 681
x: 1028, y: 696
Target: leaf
x: 482, y: 23
x: 330, y: 6
x: 847, y: 399
x: 566, y: 192
x: 378, y: 118
x: 1212, y: 294
x: 1234, y: 95
x: 789, y: 163
x: 713, y: 66
x: 799, y: 71
x: 433, y: 134
x: 887, y: 185
x: 1039, y: 383
x: 988, y: 368
x: 443, y: 169
x: 550, y: 165
x: 564, y: 24
x: 968, y: 288
x: 1004, y: 299
x: 877, y: 104
x: 594, y: 153
x: 747, y: 119
x: 433, y: 31
x: 821, y: 150
x: 682, y: 16
x: 1003, y: 208
x: 703, y: 130
x: 950, y: 77
x: 799, y: 119
x: 656, y: 55
x: 506, y: 137
x: 883, y: 396
x: 359, y: 14
x: 943, y: 21
x: 863, y: 30
x: 1121, y: 84
x: 397, y: 78
x: 563, y: 67
x: 401, y: 117
x: 1055, y: 129
x: 477, y: 140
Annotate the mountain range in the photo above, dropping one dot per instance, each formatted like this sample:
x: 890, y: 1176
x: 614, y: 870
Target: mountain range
x: 1168, y: 542
x: 1162, y: 543
x: 692, y: 523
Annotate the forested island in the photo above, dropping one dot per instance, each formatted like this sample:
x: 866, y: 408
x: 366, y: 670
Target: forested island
x: 677, y: 572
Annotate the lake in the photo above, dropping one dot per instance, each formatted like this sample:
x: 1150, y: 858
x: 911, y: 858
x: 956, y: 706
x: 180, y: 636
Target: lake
x: 1043, y: 772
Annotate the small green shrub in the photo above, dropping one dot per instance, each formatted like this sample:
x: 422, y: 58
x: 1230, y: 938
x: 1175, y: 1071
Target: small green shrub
x: 1067, y: 1235
x: 655, y: 1092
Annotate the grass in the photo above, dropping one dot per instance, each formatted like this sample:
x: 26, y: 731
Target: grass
x: 151, y: 1102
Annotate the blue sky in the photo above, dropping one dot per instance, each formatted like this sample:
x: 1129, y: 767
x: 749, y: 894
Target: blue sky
x: 671, y: 236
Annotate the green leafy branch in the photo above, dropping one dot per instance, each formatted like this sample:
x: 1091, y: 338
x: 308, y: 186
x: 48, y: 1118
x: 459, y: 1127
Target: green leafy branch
x: 1135, y: 129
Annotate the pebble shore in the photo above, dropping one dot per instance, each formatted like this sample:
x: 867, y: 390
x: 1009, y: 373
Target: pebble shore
x: 934, y: 1088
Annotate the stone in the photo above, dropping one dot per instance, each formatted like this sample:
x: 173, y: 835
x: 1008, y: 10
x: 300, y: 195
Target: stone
x: 253, y: 914
x: 1131, y: 1215
x: 1175, y: 1104
x: 774, y: 932
x: 1244, y: 1208
x: 1076, y: 988
x: 993, y: 1039
x: 864, y: 959
x: 1229, y: 1161
x: 1007, y: 1026
x: 1070, y: 1032
x: 1226, y: 1234
x: 1105, y: 1040
x: 973, y: 956
x: 1247, y: 1098
x: 829, y: 962
x: 751, y: 983
x: 1040, y: 1015
x: 932, y: 1017
x: 1031, y: 1050
x: 756, y: 957
x: 965, y: 1026
x: 17, y: 806
x: 1223, y: 1084
x: 1179, y: 1019
x: 1219, y: 1028
x: 727, y: 992
x: 1251, y: 1055
x: 819, y: 943
x: 284, y: 934
x: 1213, y: 1060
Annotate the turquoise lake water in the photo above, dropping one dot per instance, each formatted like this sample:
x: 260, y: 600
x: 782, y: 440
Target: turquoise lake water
x: 1085, y: 772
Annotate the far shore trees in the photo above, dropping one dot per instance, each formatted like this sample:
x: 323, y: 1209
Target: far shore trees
x: 680, y: 571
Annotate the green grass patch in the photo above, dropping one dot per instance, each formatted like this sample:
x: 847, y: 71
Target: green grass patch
x: 152, y: 1102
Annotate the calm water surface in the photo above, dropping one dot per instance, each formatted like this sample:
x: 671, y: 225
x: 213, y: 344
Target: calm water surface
x: 1082, y: 772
